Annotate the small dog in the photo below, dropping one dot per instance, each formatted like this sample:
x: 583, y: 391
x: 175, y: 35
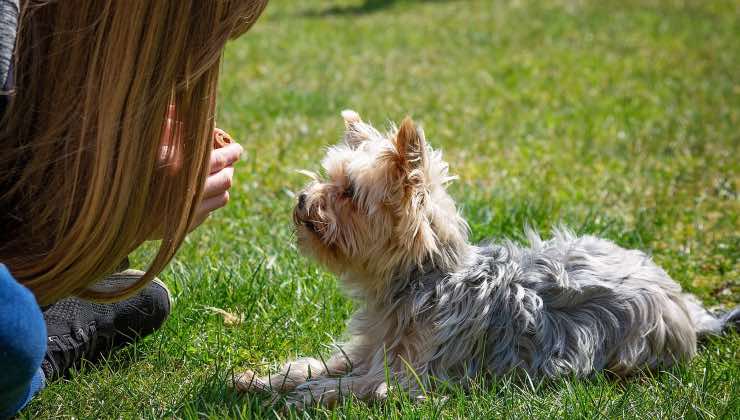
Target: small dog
x: 438, y: 308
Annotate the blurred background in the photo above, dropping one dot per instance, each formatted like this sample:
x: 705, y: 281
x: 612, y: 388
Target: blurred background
x: 618, y: 116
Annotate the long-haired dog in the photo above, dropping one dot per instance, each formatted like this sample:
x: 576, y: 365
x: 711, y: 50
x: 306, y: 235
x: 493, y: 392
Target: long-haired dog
x: 436, y: 307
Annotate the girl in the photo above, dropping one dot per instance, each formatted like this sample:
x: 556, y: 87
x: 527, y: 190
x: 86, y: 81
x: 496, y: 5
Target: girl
x: 91, y: 167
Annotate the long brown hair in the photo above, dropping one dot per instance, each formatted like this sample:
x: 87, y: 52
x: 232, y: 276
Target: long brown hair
x: 82, y: 182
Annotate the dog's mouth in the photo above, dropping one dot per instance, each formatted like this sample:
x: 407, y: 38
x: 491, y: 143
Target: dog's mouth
x: 310, y: 226
x: 299, y: 220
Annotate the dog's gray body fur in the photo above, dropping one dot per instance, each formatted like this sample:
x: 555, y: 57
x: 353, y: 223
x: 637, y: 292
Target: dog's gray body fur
x: 570, y: 305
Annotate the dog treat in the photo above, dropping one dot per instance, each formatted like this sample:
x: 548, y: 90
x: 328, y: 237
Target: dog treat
x: 221, y: 138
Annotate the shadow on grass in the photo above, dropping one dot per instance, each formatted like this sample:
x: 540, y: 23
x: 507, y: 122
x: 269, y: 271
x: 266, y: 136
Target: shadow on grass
x: 367, y: 7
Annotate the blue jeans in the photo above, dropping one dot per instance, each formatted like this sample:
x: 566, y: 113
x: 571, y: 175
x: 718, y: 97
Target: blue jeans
x: 22, y: 345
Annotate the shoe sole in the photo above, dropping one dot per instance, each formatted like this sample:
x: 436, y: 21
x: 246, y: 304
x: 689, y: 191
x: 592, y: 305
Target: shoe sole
x: 133, y: 275
x: 167, y: 290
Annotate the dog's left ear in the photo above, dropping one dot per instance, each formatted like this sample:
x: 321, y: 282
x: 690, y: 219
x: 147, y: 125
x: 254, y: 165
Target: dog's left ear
x: 411, y: 148
x: 354, y: 133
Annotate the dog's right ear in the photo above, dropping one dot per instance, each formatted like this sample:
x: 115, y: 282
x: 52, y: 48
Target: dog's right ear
x: 354, y: 134
x: 411, y: 147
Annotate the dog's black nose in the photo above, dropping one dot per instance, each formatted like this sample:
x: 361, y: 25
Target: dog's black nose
x: 301, y: 201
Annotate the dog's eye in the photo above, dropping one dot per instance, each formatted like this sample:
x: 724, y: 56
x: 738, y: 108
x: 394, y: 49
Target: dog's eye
x: 349, y: 192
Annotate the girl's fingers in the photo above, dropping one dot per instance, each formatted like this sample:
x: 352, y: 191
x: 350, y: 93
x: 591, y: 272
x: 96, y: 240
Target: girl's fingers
x: 214, y: 203
x: 219, y: 182
x: 225, y: 156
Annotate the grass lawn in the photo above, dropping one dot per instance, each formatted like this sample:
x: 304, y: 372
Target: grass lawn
x: 618, y: 118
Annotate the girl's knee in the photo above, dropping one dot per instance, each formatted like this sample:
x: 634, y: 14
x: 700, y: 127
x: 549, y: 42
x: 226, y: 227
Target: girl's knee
x: 22, y: 332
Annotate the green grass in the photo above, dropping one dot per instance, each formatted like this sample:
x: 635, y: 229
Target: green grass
x: 618, y: 118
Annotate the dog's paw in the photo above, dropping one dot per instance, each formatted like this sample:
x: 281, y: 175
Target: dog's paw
x: 296, y: 401
x: 381, y: 392
x: 315, y: 393
x: 248, y: 381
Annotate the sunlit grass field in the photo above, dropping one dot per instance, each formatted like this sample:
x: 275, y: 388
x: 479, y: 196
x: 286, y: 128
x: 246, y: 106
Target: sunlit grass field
x: 616, y: 118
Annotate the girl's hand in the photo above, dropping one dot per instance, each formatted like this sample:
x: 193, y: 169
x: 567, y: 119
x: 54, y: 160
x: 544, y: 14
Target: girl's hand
x: 218, y: 183
x: 221, y: 172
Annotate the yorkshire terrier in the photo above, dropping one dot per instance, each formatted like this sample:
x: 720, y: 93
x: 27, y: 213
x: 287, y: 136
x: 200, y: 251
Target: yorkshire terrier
x: 437, y: 308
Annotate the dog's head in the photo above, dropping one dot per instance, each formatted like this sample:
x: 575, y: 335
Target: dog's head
x: 381, y: 207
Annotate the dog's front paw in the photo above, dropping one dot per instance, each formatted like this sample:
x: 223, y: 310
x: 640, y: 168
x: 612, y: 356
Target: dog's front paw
x: 248, y: 381
x: 381, y: 392
x: 297, y: 401
x: 316, y: 393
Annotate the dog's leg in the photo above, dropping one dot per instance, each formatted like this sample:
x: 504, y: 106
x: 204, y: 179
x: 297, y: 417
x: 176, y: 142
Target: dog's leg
x: 366, y: 383
x: 290, y: 376
x: 294, y: 374
x: 327, y: 392
x: 373, y: 386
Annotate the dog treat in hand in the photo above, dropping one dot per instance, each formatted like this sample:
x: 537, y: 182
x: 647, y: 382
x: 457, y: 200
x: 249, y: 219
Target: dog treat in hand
x: 221, y: 138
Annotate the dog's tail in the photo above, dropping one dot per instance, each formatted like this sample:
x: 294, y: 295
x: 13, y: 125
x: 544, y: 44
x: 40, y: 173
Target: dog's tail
x: 709, y: 324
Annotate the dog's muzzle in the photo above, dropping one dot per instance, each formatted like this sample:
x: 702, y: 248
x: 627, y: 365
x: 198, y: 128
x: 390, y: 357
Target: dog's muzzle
x: 300, y: 214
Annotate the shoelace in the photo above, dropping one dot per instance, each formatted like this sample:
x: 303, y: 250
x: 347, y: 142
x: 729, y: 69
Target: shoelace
x: 83, y: 345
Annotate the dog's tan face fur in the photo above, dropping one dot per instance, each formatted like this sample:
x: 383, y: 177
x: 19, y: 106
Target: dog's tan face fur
x: 381, y: 209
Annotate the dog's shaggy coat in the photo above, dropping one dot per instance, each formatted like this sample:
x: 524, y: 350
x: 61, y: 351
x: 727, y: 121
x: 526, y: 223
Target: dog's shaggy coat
x: 436, y: 307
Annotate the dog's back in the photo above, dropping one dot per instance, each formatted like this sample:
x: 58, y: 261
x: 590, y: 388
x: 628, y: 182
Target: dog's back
x: 569, y: 305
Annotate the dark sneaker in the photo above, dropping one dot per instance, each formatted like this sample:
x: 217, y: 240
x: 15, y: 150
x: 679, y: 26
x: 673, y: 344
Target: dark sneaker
x: 80, y: 330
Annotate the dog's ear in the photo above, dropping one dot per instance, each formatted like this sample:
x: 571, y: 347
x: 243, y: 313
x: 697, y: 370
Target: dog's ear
x: 354, y: 134
x: 350, y: 117
x: 412, y: 148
